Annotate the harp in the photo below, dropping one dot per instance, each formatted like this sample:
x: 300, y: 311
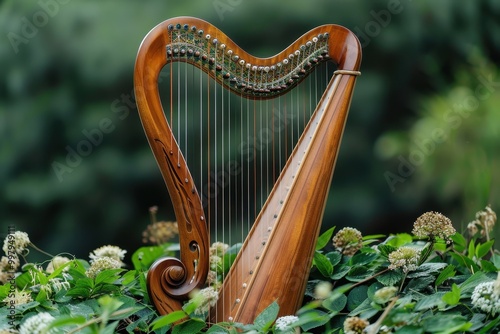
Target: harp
x: 261, y: 137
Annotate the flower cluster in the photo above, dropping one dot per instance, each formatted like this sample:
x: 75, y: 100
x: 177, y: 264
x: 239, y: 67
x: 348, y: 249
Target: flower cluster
x: 433, y: 224
x: 405, y: 258
x: 218, y: 248
x: 17, y: 241
x: 37, y: 323
x: 348, y: 241
x: 57, y: 262
x: 355, y: 325
x: 217, y: 251
x: 8, y: 265
x: 484, y: 222
x: 102, y: 263
x: 286, y: 322
x: 112, y: 252
x: 205, y: 299
x: 383, y: 295
x: 19, y: 297
x: 486, y: 298
x: 159, y: 232
x: 322, y: 290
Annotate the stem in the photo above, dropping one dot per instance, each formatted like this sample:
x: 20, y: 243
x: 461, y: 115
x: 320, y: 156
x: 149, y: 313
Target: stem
x: 99, y: 319
x: 41, y: 251
x: 403, y: 282
x: 375, y: 327
x: 370, y: 278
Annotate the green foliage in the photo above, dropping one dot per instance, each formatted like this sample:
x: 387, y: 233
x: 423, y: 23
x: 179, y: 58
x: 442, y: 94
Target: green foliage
x: 439, y: 295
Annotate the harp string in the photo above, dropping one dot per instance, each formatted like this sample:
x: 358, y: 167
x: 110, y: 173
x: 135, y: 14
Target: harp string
x: 243, y: 143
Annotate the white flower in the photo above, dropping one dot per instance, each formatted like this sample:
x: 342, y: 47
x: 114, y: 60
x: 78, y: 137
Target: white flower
x: 215, y: 262
x: 56, y: 262
x: 113, y: 252
x: 405, y: 258
x: 485, y: 299
x: 284, y: 323
x: 101, y: 264
x: 205, y: 299
x: 433, y: 224
x: 58, y: 284
x: 355, y: 325
x: 16, y: 242
x: 496, y: 286
x: 322, y: 290
x: 218, y: 248
x: 383, y: 295
x: 36, y: 324
x: 348, y: 240
x: 18, y: 298
x: 8, y: 266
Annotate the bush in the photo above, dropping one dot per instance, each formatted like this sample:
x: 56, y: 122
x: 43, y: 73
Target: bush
x: 434, y: 280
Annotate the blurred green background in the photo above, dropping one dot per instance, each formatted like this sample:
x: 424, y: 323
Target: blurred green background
x: 422, y: 133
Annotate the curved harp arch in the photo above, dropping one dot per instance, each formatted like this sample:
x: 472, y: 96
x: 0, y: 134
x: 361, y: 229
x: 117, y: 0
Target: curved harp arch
x: 274, y: 261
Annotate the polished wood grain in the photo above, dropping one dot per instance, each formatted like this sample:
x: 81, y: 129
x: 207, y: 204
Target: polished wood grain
x: 275, y: 259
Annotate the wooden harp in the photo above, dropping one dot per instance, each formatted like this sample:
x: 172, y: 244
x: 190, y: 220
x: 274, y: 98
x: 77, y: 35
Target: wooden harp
x: 264, y: 134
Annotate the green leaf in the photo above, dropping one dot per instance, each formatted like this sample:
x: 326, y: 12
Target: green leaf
x: 427, y: 269
x: 216, y: 329
x: 190, y: 326
x: 77, y: 270
x: 365, y: 309
x: 335, y: 303
x: 312, y: 319
x: 361, y: 259
x: 447, y: 272
x: 399, y: 240
x: 356, y: 296
x: 78, y: 309
x: 324, y: 238
x: 107, y: 276
x: 452, y: 297
x: 359, y: 273
x: 483, y: 249
x: 266, y: 318
x: 323, y: 264
x: 410, y: 330
x: 66, y: 320
x: 392, y: 277
x: 385, y: 250
x: 472, y: 249
x: 340, y: 272
x: 470, y: 284
x: 488, y: 267
x: 60, y: 269
x: 168, y: 320
x: 495, y: 259
x: 446, y: 323
x: 430, y: 301
x: 144, y: 257
x: 459, y: 242
x: 465, y: 262
x: 487, y: 328
x: 334, y: 257
x: 419, y: 284
x: 23, y: 280
x: 110, y: 328
x: 373, y: 236
x: 78, y: 292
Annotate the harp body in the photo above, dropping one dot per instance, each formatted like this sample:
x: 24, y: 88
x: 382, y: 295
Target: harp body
x: 274, y: 261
